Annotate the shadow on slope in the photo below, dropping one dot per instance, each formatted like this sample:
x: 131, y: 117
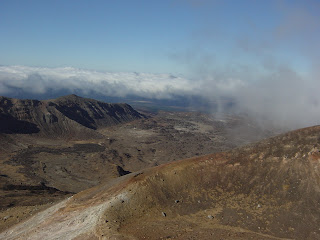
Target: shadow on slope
x: 11, y: 125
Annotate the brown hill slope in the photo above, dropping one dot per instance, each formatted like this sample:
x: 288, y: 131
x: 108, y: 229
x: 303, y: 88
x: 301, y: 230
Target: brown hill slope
x: 50, y: 148
x: 268, y: 190
x: 66, y: 116
x: 35, y: 169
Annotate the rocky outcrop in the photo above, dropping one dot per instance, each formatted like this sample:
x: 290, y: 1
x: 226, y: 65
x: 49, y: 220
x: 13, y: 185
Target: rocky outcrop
x: 69, y: 115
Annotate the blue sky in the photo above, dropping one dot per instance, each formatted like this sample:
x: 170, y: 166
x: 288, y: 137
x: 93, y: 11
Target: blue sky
x: 157, y: 36
x: 263, y: 55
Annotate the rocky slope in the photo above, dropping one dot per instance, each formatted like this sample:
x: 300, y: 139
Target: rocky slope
x: 51, y: 148
x: 268, y: 190
x: 66, y: 116
x: 38, y: 169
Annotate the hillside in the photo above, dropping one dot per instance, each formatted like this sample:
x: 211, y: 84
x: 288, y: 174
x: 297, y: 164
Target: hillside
x: 267, y: 190
x: 69, y: 116
x: 65, y: 156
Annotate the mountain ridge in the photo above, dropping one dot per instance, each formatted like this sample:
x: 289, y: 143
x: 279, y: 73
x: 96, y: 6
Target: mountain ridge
x: 67, y: 115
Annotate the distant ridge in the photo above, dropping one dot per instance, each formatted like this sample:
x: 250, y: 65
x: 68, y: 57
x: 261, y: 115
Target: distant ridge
x: 71, y: 115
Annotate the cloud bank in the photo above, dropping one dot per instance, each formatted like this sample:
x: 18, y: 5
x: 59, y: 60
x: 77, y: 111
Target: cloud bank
x: 118, y: 84
x: 281, y: 96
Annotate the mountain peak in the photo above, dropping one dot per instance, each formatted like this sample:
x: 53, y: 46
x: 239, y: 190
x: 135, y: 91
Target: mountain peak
x: 70, y: 97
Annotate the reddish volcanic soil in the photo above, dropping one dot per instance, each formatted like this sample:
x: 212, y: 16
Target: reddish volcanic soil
x: 267, y: 190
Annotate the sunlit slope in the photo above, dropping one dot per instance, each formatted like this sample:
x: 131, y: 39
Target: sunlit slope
x: 268, y: 190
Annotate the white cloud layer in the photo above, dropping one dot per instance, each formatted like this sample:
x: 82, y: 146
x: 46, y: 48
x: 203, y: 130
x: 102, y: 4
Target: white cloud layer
x: 118, y: 84
x: 280, y: 96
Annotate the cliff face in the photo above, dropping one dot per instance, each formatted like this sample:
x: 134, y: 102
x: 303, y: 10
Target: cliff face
x: 65, y: 115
